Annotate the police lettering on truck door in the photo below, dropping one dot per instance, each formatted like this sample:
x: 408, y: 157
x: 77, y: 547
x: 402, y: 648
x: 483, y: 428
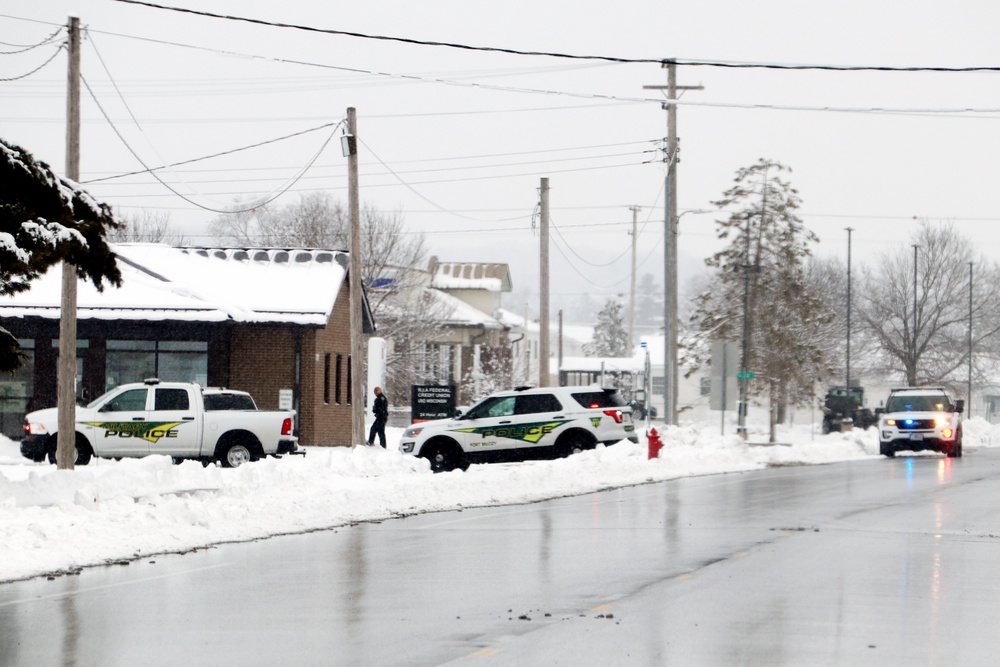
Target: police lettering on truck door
x: 178, y: 422
x: 122, y: 428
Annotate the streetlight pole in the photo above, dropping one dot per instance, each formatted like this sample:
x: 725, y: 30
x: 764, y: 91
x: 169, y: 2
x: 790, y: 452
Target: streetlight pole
x: 914, y: 337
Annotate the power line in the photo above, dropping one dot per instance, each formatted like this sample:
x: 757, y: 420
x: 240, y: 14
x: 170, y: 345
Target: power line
x: 266, y: 199
x: 37, y: 69
x: 395, y: 173
x: 409, y: 184
x: 215, y: 155
x: 28, y: 47
x: 555, y: 54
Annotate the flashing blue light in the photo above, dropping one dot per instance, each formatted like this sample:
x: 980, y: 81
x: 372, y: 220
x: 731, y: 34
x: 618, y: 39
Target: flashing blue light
x: 908, y: 422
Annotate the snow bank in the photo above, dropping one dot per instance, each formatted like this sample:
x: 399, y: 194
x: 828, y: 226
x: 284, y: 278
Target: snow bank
x: 55, y: 521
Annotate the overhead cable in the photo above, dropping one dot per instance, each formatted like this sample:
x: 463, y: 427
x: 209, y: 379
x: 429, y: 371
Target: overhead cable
x: 22, y: 48
x: 37, y: 69
x: 262, y: 201
x: 554, y: 54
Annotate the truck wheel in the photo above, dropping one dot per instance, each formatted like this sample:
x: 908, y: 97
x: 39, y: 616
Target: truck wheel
x: 236, y: 455
x: 82, y: 451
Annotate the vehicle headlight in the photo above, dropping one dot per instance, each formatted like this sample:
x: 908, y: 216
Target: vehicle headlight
x: 34, y: 428
x: 412, y: 432
x: 890, y: 422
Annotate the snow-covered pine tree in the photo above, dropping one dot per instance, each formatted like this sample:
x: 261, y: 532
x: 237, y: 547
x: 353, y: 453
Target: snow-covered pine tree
x: 44, y: 220
x: 769, y: 245
x: 610, y: 336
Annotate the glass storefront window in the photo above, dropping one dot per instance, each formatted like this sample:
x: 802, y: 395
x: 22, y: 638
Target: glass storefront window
x: 15, y: 393
x: 82, y: 346
x: 170, y: 361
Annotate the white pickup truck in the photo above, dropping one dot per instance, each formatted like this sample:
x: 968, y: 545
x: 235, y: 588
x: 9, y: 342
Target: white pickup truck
x: 178, y: 419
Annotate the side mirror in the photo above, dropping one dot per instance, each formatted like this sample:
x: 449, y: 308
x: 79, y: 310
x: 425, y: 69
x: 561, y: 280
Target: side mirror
x: 458, y: 414
x: 879, y: 411
x: 960, y: 405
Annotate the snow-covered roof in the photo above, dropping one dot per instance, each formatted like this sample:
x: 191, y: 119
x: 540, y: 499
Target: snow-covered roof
x: 471, y: 275
x: 456, y: 312
x: 160, y: 282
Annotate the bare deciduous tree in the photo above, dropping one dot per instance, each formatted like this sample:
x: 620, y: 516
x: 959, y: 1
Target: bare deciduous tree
x: 930, y: 345
x: 145, y: 227
x: 392, y: 260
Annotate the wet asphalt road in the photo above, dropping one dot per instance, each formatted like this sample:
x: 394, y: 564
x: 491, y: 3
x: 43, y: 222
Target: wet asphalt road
x: 882, y: 562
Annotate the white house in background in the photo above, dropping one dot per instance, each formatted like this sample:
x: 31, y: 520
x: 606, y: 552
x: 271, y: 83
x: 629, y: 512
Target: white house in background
x: 525, y: 343
x: 467, y: 341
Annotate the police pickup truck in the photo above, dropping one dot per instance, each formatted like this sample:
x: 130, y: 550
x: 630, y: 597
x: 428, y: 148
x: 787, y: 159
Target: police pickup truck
x: 178, y: 419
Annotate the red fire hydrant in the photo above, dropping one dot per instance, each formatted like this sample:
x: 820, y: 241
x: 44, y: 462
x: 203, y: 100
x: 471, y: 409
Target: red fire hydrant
x: 655, y: 444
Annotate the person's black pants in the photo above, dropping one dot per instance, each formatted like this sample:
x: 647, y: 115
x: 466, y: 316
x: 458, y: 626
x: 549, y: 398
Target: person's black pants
x: 378, y: 426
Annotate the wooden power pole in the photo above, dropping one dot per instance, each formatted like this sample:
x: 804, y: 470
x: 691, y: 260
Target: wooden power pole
x: 543, y: 301
x: 670, y: 370
x: 631, y: 294
x: 354, y: 282
x: 66, y: 374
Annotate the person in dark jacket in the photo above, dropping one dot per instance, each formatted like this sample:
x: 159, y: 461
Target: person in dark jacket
x: 380, y: 408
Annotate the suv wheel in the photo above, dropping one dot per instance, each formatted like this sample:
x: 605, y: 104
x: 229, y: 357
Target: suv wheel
x: 443, y: 456
x: 956, y: 447
x: 886, y: 449
x: 574, y: 443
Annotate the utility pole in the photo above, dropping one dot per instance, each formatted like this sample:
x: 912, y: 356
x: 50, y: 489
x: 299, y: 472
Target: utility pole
x: 670, y: 370
x: 354, y: 282
x: 970, y: 343
x: 66, y: 374
x: 631, y: 300
x: 560, y: 340
x: 744, y: 374
x: 543, y: 301
x: 915, y: 248
x: 848, y: 380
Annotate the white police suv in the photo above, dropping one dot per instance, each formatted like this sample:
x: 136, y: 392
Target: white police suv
x: 522, y: 423
x: 920, y: 418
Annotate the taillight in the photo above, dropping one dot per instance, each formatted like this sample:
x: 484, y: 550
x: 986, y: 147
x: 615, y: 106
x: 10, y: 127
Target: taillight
x: 615, y: 414
x: 286, y: 426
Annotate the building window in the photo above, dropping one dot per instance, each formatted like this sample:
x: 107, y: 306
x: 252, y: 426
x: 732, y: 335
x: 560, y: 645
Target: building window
x: 81, y: 364
x: 349, y: 387
x: 171, y: 361
x: 16, y: 391
x: 326, y: 379
x: 657, y: 386
x: 337, y: 379
x: 706, y: 386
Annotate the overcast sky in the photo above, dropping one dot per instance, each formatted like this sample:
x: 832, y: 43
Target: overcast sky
x: 458, y: 139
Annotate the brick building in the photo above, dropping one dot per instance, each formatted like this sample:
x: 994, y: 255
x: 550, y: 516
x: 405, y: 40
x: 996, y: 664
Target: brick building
x: 264, y: 320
